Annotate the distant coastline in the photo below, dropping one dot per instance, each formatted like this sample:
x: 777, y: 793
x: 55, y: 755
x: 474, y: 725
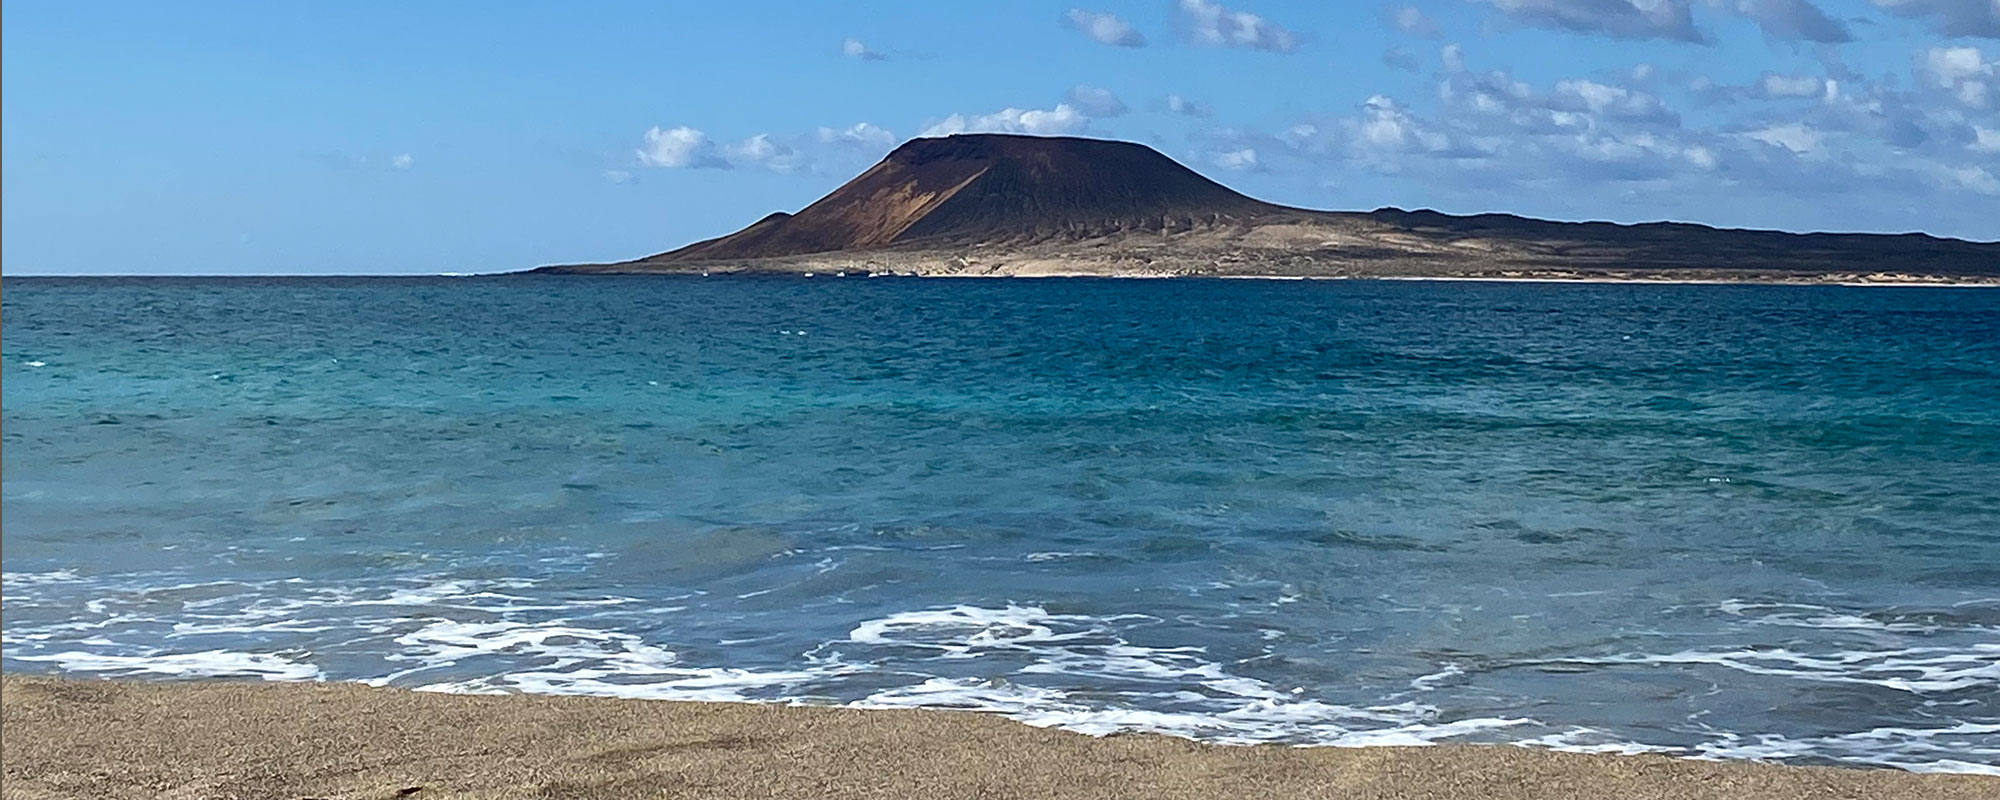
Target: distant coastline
x: 843, y: 266
x: 992, y: 205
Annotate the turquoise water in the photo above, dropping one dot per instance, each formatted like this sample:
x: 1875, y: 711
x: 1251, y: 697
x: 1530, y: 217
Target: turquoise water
x: 1753, y: 522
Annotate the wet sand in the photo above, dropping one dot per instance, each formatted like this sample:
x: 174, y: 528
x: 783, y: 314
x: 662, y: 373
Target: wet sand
x: 107, y: 739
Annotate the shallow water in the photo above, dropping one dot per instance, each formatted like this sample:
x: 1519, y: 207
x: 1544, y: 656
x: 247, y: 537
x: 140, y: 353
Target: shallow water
x: 1717, y: 521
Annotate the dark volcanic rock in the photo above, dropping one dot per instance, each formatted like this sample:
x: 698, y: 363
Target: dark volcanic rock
x: 989, y: 188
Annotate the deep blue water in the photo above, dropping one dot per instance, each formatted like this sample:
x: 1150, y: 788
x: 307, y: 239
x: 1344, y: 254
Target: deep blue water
x: 1722, y: 521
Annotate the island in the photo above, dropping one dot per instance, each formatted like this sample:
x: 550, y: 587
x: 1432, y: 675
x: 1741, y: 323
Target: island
x: 1003, y: 205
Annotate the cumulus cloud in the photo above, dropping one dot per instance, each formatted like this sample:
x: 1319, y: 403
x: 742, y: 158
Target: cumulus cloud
x: 1095, y: 102
x: 1212, y: 25
x: 863, y: 136
x: 1619, y: 19
x: 619, y: 176
x: 1768, y: 86
x: 763, y: 151
x: 1931, y: 134
x: 1985, y: 140
x: 1797, y: 148
x: 402, y: 161
x: 1399, y: 58
x: 1971, y: 177
x: 1951, y: 17
x: 688, y: 148
x: 1104, y: 28
x: 1413, y: 21
x: 1615, y: 102
x: 1674, y: 19
x: 1495, y: 101
x: 1242, y: 160
x: 1777, y: 86
x: 1386, y: 126
x: 679, y: 147
x: 1063, y: 119
x: 1464, y: 142
x: 1798, y: 138
x: 1962, y: 71
x: 1794, y: 19
x: 1185, y: 107
x: 853, y: 48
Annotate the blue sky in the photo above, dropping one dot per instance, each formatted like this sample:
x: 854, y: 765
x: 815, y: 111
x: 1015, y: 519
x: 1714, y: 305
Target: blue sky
x: 225, y: 138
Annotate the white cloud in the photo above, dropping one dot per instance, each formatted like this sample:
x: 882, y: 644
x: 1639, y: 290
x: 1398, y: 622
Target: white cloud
x: 1244, y: 160
x: 1962, y: 71
x: 1412, y: 20
x: 1185, y: 107
x: 1833, y: 150
x: 1673, y: 19
x: 686, y: 147
x: 1794, y: 19
x: 853, y: 48
x: 1616, y: 102
x: 1973, y: 178
x: 762, y: 151
x: 1778, y: 86
x: 619, y: 176
x: 1985, y: 140
x: 1398, y: 58
x: 1951, y: 17
x: 1095, y: 102
x: 1702, y: 157
x: 1768, y: 86
x: 1104, y: 28
x: 1063, y: 119
x: 1212, y: 25
x: 1454, y: 57
x: 1385, y: 126
x: 1795, y: 137
x: 679, y: 147
x: 860, y: 136
x: 1618, y: 19
x: 402, y: 161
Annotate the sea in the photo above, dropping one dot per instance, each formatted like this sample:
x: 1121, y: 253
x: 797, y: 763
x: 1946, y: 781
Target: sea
x: 1737, y: 522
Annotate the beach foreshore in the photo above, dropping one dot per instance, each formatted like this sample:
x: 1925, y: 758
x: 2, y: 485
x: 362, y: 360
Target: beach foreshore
x: 82, y: 738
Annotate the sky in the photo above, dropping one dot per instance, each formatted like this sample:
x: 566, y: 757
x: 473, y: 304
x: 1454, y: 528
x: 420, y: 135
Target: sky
x: 377, y: 137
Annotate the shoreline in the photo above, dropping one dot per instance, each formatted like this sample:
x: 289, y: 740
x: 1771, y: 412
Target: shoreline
x: 1594, y: 280
x: 83, y: 737
x: 1804, y: 279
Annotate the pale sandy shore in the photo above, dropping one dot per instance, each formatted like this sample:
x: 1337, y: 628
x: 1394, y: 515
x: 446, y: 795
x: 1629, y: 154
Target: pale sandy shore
x: 103, y: 739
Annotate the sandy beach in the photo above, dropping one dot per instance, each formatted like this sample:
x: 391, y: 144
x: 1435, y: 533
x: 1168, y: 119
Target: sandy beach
x: 68, y: 738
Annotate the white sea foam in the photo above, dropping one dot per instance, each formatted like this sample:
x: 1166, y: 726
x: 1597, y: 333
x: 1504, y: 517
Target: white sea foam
x: 960, y: 630
x: 1088, y: 678
x: 1591, y: 740
x: 1057, y: 555
x: 208, y: 664
x: 1913, y: 749
x: 15, y: 580
x: 1084, y: 673
x: 1920, y: 670
x: 1802, y: 615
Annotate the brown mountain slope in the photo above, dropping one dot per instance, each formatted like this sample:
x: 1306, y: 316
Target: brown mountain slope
x: 994, y: 204
x: 988, y: 188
